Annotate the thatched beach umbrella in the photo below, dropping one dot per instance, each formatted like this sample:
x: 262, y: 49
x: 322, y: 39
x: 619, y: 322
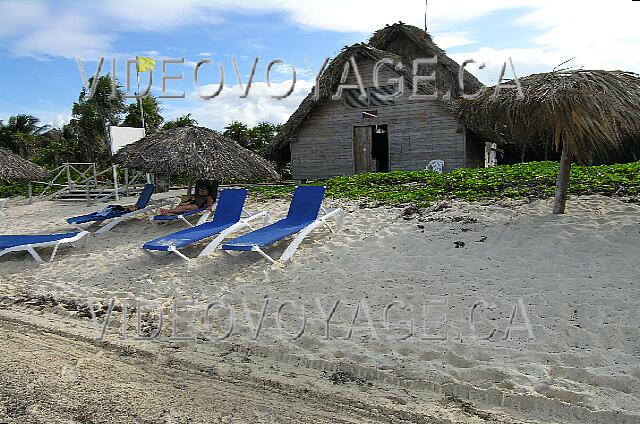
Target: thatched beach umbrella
x: 197, y: 152
x: 578, y: 112
x: 14, y: 168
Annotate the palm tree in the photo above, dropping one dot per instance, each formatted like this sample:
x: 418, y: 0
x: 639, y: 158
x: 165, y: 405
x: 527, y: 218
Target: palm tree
x: 181, y: 121
x: 20, y: 132
x: 238, y: 132
x: 262, y: 134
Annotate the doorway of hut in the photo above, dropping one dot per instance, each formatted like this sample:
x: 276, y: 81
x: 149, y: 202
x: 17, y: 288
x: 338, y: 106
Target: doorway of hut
x: 371, y: 148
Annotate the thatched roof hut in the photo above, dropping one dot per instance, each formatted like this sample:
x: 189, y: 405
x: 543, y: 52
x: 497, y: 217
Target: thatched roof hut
x: 195, y: 151
x: 14, y: 168
x: 577, y: 111
x: 410, y: 42
x: 278, y: 149
x: 399, y: 42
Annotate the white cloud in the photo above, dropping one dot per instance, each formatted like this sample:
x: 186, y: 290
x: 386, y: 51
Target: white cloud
x: 525, y: 62
x: 18, y: 18
x: 60, y: 40
x: 61, y: 120
x: 46, y: 28
x: 590, y: 35
x: 447, y: 40
x: 89, y: 29
x: 598, y: 35
x: 359, y: 16
x: 228, y: 106
x: 157, y: 15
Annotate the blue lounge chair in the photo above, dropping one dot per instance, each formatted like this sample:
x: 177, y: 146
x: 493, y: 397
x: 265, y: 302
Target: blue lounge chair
x: 303, y: 217
x: 116, y: 214
x: 226, y: 220
x: 205, y: 212
x: 17, y: 243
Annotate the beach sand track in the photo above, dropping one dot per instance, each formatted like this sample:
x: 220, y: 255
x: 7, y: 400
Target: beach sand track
x: 576, y: 274
x: 51, y: 375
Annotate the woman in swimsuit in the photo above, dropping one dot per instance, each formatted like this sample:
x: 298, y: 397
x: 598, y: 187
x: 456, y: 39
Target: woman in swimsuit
x: 202, y: 198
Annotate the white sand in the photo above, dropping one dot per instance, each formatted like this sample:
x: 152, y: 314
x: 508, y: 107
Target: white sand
x: 576, y: 276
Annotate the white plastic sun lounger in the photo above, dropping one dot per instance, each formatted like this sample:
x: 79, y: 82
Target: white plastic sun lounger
x: 28, y: 243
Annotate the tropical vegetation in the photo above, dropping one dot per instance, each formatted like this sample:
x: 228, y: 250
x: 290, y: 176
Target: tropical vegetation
x: 522, y: 181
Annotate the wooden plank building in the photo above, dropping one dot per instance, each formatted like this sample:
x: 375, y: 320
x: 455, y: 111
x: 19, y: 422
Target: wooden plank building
x: 326, y: 136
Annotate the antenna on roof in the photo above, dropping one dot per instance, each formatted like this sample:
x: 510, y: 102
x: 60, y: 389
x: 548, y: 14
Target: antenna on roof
x: 426, y: 4
x: 563, y: 63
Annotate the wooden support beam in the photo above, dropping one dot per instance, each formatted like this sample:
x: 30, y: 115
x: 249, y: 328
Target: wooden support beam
x: 562, y: 184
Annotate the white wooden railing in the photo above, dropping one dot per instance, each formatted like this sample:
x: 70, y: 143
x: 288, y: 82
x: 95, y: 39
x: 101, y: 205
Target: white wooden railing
x: 71, y: 179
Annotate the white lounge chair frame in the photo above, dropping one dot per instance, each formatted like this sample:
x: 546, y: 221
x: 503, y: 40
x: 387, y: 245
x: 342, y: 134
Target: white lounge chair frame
x: 213, y: 245
x: 115, y: 221
x: 203, y: 218
x: 302, y: 234
x: 30, y: 248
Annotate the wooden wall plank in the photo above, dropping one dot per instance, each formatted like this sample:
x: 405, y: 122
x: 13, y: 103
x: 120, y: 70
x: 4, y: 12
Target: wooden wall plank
x: 419, y: 131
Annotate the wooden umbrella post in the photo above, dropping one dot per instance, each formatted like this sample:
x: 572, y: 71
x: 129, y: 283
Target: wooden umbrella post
x: 189, y: 185
x: 563, y: 181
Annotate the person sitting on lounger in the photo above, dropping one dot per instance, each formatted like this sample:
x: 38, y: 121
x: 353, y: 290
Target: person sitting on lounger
x: 203, y: 198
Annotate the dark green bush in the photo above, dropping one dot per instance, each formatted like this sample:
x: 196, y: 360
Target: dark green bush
x: 8, y: 189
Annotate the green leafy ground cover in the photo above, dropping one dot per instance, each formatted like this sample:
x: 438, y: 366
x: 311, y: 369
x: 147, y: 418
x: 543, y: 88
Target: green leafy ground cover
x: 527, y: 180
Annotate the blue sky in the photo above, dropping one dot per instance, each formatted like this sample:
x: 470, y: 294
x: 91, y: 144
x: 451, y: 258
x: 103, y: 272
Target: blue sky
x: 39, y: 42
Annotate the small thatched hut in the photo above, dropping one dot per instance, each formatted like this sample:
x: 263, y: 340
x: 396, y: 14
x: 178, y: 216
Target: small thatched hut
x: 14, y: 168
x: 197, y: 152
x: 578, y: 112
x: 326, y: 137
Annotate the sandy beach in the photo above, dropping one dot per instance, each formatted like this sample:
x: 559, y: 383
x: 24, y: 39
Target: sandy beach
x: 438, y: 221
x: 503, y: 306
